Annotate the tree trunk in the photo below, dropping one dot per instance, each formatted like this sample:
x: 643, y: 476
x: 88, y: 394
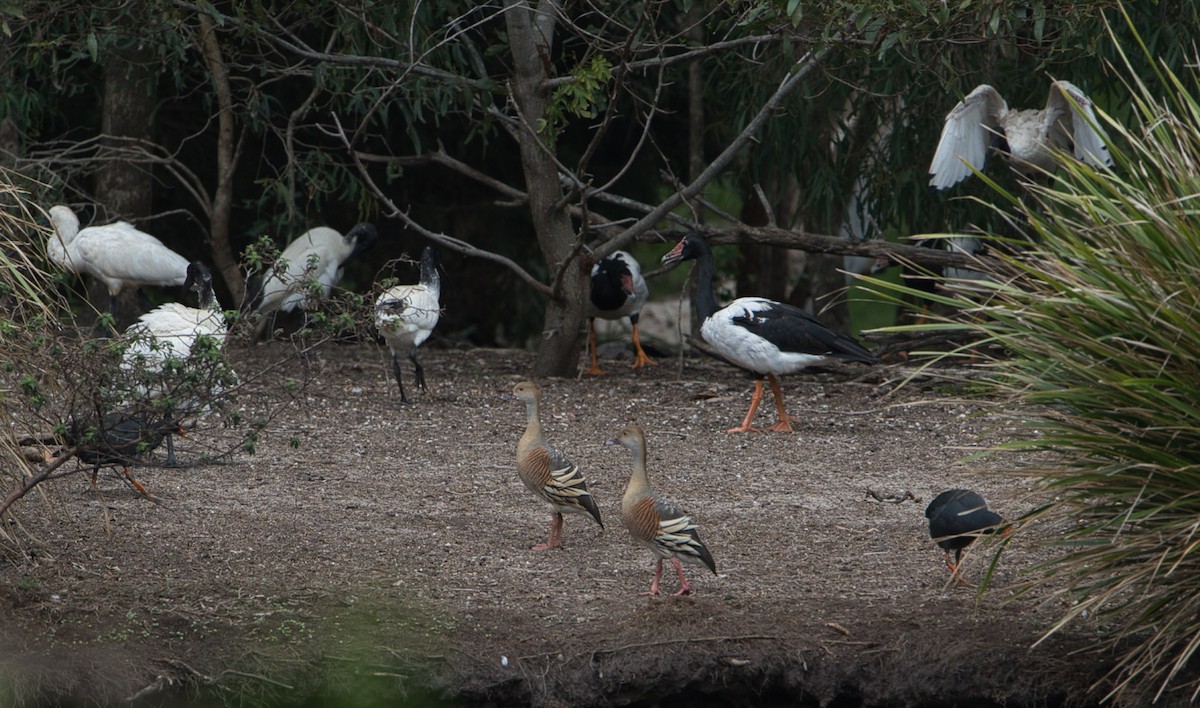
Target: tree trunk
x: 222, y: 202
x: 125, y: 189
x: 531, y: 40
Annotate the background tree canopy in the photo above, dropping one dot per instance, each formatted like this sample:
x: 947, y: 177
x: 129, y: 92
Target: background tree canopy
x: 517, y: 133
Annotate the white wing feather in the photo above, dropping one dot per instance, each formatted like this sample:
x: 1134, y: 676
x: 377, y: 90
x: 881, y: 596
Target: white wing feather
x: 966, y: 136
x: 405, y: 315
x: 1086, y: 132
x: 286, y: 290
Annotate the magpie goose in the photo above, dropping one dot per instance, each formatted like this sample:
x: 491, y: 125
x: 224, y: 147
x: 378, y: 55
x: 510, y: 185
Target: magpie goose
x: 764, y: 337
x: 618, y: 290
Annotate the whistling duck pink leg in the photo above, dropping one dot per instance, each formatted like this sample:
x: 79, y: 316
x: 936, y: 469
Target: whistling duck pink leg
x: 556, y: 530
x: 784, y: 422
x: 594, y: 369
x: 745, y: 427
x: 641, y: 359
x: 684, y: 588
x: 657, y: 576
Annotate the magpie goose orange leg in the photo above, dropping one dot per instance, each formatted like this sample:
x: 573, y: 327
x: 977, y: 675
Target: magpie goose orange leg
x: 640, y: 359
x: 745, y: 427
x: 784, y: 422
x: 594, y: 368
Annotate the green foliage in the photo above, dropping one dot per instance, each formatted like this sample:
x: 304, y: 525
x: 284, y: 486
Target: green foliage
x: 583, y: 97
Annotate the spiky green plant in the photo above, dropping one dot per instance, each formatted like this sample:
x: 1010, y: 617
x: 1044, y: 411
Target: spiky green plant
x: 1099, y: 321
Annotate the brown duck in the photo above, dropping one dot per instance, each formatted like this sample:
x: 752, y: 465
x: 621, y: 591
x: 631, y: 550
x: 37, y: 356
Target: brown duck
x: 548, y: 473
x: 656, y: 522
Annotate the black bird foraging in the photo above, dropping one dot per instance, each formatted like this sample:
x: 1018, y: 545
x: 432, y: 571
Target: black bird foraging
x: 956, y: 518
x: 120, y: 440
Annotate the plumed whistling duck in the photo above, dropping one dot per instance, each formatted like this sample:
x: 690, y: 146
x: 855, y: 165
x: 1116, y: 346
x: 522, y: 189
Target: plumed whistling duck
x: 657, y: 523
x: 548, y: 473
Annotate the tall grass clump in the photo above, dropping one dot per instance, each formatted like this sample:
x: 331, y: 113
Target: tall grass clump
x: 1098, y: 320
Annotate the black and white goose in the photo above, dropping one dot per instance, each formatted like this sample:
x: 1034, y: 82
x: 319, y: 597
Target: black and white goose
x: 405, y: 316
x: 1032, y: 135
x: 765, y: 337
x: 618, y: 290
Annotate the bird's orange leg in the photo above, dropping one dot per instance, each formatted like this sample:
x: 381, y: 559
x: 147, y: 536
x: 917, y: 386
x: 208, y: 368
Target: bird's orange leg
x: 134, y: 482
x: 684, y: 588
x: 594, y: 369
x: 640, y: 359
x: 784, y: 422
x: 954, y: 574
x: 745, y: 427
x: 556, y: 530
x: 657, y: 576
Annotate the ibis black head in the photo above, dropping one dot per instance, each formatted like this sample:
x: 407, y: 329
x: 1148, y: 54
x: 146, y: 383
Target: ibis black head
x: 199, y: 281
x: 429, y: 266
x: 363, y: 236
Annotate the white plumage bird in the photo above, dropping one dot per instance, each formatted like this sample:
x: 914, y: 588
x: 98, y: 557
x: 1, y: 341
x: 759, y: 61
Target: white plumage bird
x: 116, y: 254
x: 405, y: 316
x: 174, y: 331
x: 1032, y: 135
x: 319, y: 254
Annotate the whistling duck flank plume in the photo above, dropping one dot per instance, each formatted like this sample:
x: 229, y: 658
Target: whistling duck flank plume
x: 319, y: 254
x: 405, y: 316
x: 956, y: 518
x: 656, y: 522
x: 548, y: 473
x: 764, y: 337
x: 618, y: 290
x: 116, y: 254
x: 1032, y: 136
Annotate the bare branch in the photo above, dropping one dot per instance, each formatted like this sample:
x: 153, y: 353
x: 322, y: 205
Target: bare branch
x: 449, y: 242
x: 298, y: 48
x: 786, y: 86
x: 666, y: 61
x: 440, y: 157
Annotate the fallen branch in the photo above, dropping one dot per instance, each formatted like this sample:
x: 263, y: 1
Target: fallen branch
x: 891, y: 498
